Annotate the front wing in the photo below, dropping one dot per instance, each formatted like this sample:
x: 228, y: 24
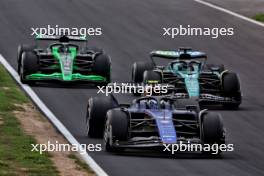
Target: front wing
x: 59, y: 77
x: 208, y: 98
x: 151, y: 142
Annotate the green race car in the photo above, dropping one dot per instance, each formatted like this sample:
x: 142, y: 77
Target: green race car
x: 191, y: 76
x: 66, y: 59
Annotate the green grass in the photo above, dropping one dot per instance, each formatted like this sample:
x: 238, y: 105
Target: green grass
x: 16, y: 157
x: 259, y: 17
x: 9, y: 92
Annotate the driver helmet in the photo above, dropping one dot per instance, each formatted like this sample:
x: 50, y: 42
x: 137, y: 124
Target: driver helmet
x: 152, y: 104
x: 64, y: 49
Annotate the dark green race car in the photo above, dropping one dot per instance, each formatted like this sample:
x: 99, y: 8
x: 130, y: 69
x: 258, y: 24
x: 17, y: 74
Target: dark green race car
x: 66, y: 59
x: 191, y: 76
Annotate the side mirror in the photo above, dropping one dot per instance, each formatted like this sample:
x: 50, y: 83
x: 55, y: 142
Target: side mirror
x: 215, y: 69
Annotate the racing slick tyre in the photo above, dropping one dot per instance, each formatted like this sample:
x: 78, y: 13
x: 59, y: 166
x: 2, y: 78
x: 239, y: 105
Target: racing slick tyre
x: 151, y: 76
x: 116, y: 129
x: 20, y: 50
x: 138, y: 70
x: 219, y: 67
x: 96, y: 114
x: 212, y: 131
x: 231, y: 88
x: 102, y: 67
x: 29, y: 64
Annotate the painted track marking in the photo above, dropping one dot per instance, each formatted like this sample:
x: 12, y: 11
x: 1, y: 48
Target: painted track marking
x: 230, y: 12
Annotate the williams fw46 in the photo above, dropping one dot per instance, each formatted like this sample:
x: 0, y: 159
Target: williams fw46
x: 191, y: 76
x: 152, y: 122
x: 67, y: 59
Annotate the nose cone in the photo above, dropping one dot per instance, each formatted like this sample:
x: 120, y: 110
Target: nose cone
x: 165, y: 125
x: 192, y: 85
x: 66, y: 66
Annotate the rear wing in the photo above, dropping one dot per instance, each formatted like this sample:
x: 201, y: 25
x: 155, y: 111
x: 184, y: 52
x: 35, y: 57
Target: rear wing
x: 182, y: 53
x: 63, y: 38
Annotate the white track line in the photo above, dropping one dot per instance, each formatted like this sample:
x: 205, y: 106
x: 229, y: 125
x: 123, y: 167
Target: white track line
x: 230, y: 12
x: 86, y: 157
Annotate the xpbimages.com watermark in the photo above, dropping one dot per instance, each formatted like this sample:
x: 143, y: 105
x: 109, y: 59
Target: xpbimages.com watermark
x: 183, y: 30
x: 58, y: 147
x: 124, y: 88
x: 59, y: 31
x: 188, y: 147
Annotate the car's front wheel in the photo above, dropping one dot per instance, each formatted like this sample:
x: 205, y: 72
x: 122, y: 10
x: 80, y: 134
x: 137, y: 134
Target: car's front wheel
x: 116, y: 129
x: 138, y: 70
x: 212, y: 131
x: 102, y: 66
x: 29, y: 65
x: 96, y: 114
x: 150, y: 77
x: 231, y: 88
x: 20, y: 50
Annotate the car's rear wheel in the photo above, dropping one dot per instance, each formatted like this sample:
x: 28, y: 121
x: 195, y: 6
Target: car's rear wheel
x: 96, y: 114
x: 102, y: 66
x: 231, y: 88
x: 212, y: 131
x: 20, y: 50
x: 116, y: 129
x: 138, y: 70
x: 29, y: 65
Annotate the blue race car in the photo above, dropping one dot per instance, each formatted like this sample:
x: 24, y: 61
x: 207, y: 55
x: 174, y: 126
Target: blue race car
x: 191, y: 76
x: 151, y: 122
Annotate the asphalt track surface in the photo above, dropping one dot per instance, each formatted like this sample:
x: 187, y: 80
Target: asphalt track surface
x: 130, y: 30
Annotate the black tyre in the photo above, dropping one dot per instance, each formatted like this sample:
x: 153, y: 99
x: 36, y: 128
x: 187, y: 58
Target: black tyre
x: 96, y: 114
x: 138, y: 70
x: 231, y: 88
x: 116, y: 128
x: 212, y: 130
x: 215, y: 67
x: 102, y: 66
x: 29, y: 65
x: 20, y: 50
x: 150, y: 76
